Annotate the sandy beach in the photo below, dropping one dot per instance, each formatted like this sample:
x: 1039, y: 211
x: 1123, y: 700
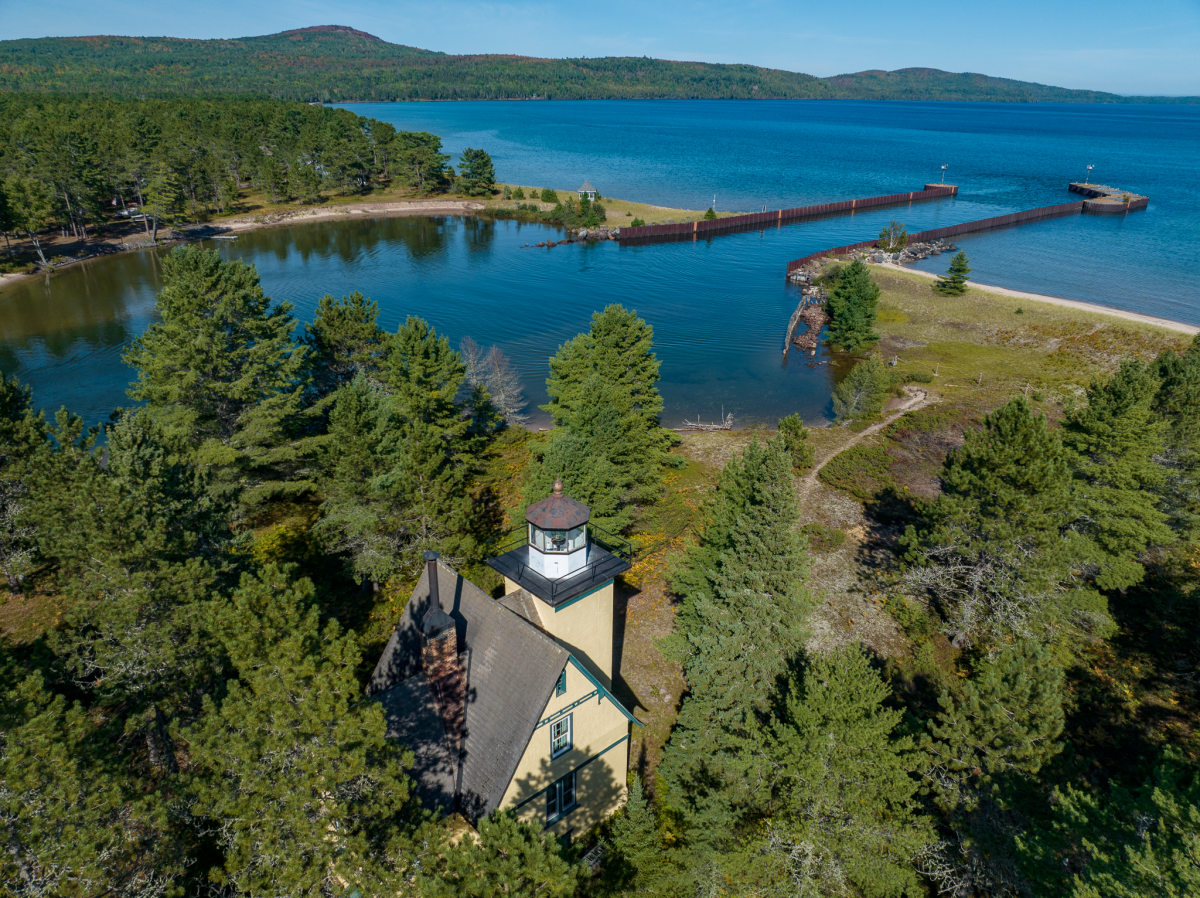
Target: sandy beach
x: 1059, y: 301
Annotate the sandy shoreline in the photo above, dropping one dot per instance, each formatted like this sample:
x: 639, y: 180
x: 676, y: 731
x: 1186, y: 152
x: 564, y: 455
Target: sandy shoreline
x: 1059, y: 301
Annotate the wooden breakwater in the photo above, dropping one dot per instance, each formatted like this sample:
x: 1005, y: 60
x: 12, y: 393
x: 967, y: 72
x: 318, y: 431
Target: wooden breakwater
x: 777, y: 217
x: 969, y: 227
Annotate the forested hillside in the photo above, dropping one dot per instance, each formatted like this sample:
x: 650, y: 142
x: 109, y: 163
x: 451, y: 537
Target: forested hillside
x: 332, y: 63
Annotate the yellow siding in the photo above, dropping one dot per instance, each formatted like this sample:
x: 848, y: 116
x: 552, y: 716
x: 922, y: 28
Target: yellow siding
x: 585, y: 628
x: 600, y: 786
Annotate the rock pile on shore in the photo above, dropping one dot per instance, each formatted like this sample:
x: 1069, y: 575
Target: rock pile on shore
x: 910, y: 253
x: 597, y: 233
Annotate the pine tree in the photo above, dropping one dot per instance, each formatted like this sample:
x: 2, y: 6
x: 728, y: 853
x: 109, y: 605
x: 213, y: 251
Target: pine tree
x: 955, y: 281
x: 845, y: 815
x: 1001, y: 728
x: 1177, y: 403
x: 1132, y: 843
x: 794, y: 436
x: 139, y: 545
x: 740, y: 626
x: 508, y: 857
x: 477, y: 170
x: 362, y: 514
x: 994, y: 550
x: 597, y: 460
x: 293, y: 770
x: 1113, y: 444
x: 643, y: 863
x: 22, y: 434
x: 853, y: 309
x: 860, y: 393
x: 69, y: 826
x: 618, y: 349
x: 221, y: 373
x: 343, y: 340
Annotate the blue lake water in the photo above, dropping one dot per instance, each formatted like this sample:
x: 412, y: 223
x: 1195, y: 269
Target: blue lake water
x: 719, y: 307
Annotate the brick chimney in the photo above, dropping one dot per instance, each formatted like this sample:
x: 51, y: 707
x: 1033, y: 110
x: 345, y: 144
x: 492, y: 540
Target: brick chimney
x: 439, y: 657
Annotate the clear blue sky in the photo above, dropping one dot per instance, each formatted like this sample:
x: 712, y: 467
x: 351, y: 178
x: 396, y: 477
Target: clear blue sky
x: 1145, y: 47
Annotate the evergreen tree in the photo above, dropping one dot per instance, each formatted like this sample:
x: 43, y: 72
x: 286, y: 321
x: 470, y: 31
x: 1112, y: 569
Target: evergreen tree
x: 442, y: 441
x: 343, y: 340
x: 221, y: 374
x: 477, y: 170
x: 364, y: 511
x: 1177, y: 403
x: 845, y: 819
x: 508, y: 858
x: 741, y: 624
x: 994, y: 550
x: 794, y: 436
x: 1003, y: 726
x: 293, y: 770
x: 139, y: 546
x: 1139, y: 843
x: 861, y: 392
x: 1113, y: 444
x: 709, y: 214
x: 595, y: 461
x: 618, y: 351
x: 22, y: 434
x: 853, y: 309
x: 69, y: 826
x: 643, y: 863
x: 955, y: 281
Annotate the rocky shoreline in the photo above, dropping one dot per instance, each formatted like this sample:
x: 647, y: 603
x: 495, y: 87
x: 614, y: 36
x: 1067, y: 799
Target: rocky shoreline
x: 580, y: 235
x: 913, y: 252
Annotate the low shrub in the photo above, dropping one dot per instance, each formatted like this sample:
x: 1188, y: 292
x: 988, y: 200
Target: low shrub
x: 861, y: 471
x: 822, y: 538
x: 637, y: 223
x: 519, y: 193
x: 912, y: 618
x: 549, y: 196
x: 918, y: 377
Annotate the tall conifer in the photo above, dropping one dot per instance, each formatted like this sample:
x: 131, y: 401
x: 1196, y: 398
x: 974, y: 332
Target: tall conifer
x: 740, y: 627
x: 1113, y: 444
x: 221, y: 373
x: 853, y: 309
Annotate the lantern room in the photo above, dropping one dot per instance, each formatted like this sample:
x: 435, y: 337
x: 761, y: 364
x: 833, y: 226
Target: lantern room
x: 558, y: 539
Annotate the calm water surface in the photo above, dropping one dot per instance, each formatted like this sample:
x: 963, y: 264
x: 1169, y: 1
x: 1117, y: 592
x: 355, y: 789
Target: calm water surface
x: 719, y: 307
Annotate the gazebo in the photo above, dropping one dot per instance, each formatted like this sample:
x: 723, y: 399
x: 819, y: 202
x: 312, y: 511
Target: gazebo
x: 587, y: 190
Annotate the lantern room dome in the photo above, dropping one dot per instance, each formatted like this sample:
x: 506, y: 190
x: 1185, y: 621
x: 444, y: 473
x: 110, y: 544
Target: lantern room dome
x: 557, y: 512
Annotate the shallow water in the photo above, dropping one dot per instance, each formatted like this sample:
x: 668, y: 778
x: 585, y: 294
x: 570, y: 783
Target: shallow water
x: 719, y: 307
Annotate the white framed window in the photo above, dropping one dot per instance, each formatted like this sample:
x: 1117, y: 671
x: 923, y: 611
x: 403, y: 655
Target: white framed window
x: 560, y: 736
x: 560, y: 798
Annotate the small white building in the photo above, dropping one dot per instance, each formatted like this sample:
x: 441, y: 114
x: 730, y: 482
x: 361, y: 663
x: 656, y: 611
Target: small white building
x: 587, y: 190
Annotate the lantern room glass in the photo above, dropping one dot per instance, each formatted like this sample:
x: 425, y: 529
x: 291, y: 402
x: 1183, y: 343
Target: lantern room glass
x: 558, y: 542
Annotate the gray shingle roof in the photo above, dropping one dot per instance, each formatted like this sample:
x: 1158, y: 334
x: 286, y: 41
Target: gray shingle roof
x: 586, y: 188
x: 512, y: 668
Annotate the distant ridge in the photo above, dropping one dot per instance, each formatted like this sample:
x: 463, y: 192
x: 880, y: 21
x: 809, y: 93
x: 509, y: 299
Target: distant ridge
x: 338, y: 63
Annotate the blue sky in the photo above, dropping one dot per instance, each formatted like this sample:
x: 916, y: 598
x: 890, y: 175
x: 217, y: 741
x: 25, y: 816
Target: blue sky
x: 1146, y: 47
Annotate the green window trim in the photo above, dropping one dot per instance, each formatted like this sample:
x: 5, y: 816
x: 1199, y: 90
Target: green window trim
x: 604, y: 693
x: 542, y: 792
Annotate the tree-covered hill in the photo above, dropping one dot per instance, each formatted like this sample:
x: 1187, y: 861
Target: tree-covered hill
x: 332, y: 63
x: 934, y: 84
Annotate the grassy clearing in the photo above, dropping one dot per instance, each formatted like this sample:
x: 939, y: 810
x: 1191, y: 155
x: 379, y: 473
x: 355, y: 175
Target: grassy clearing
x: 620, y: 212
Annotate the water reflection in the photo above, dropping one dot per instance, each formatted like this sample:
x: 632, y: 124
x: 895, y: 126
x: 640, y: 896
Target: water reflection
x: 718, y: 307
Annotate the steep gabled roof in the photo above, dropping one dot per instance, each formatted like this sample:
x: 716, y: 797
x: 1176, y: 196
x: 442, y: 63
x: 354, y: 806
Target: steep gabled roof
x: 512, y: 668
x: 586, y: 188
